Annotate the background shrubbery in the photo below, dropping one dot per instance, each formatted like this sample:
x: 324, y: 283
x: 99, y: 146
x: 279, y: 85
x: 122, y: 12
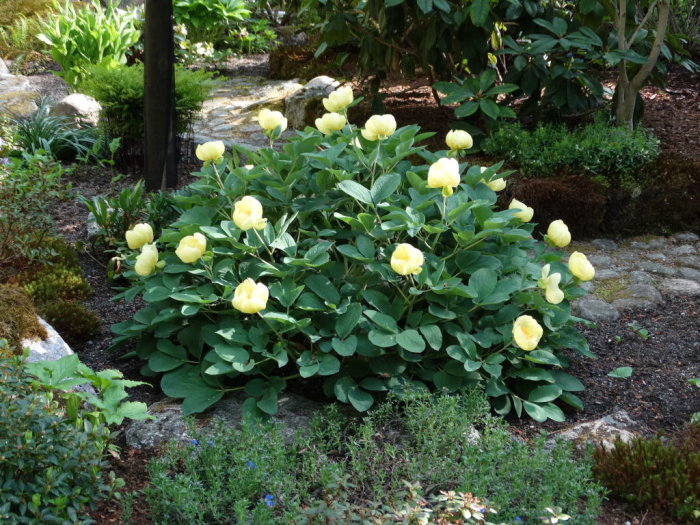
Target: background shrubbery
x: 611, y: 155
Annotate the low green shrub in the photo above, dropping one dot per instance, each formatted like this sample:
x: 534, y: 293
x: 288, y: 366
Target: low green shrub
x: 120, y: 92
x: 57, y: 286
x: 655, y: 474
x: 613, y: 155
x: 18, y: 40
x: 88, y: 34
x: 361, y: 275
x: 27, y: 186
x: 50, y: 470
x: 377, y: 469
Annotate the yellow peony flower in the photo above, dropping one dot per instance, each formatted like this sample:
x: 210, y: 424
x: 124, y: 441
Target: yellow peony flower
x: 527, y: 332
x: 248, y: 213
x: 339, y: 99
x: 407, y: 260
x: 458, y: 139
x: 550, y: 283
x: 444, y: 174
x: 250, y: 297
x: 269, y: 120
x: 497, y: 184
x: 139, y: 235
x: 379, y: 127
x: 525, y: 213
x: 558, y: 233
x: 330, y: 122
x: 581, y: 267
x: 146, y: 261
x: 191, y: 247
x: 210, y: 151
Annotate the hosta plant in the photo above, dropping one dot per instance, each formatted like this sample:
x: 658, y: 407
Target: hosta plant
x: 339, y: 257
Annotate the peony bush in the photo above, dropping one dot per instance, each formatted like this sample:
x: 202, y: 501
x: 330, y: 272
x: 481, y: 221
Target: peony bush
x: 358, y: 257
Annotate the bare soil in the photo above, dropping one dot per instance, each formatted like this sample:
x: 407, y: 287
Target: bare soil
x: 657, y: 395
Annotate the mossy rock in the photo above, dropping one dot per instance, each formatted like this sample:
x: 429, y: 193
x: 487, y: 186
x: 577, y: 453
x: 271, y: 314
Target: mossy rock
x: 18, y: 319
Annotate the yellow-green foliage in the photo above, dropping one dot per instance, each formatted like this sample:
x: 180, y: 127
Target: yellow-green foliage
x: 10, y: 10
x: 17, y: 317
x: 53, y: 283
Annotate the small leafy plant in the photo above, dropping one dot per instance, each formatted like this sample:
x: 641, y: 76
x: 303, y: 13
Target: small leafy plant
x: 52, y: 470
x: 355, y: 267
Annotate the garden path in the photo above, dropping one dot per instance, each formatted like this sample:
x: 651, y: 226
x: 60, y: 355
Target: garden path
x: 230, y: 114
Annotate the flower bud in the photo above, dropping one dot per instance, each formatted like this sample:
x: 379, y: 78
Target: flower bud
x: 210, y: 151
x: 444, y: 173
x: 269, y: 120
x: 330, y: 122
x: 497, y: 184
x: 247, y: 213
x: 379, y: 127
x: 338, y: 100
x: 458, y: 139
x: 250, y: 297
x: 147, y: 260
x: 550, y: 283
x: 527, y: 332
x: 559, y: 233
x: 139, y: 235
x: 580, y: 267
x: 525, y: 213
x: 191, y: 247
x: 407, y: 260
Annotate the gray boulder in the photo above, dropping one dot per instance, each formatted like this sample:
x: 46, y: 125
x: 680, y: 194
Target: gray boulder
x: 17, y: 96
x: 82, y: 108
x: 295, y: 413
x: 680, y: 287
x: 595, y: 310
x: 49, y: 349
x: 304, y: 106
x: 3, y: 68
x: 601, y: 432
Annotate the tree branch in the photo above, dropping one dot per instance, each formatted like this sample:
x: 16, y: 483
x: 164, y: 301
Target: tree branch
x: 641, y: 24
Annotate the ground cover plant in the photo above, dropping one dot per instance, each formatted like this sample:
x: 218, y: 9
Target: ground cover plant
x: 377, y: 469
x: 338, y: 258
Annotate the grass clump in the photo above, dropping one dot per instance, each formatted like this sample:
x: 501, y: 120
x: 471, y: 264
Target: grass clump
x: 399, y: 460
x: 654, y: 474
x: 613, y: 155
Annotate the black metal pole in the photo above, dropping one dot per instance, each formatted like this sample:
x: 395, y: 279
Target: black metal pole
x: 159, y: 96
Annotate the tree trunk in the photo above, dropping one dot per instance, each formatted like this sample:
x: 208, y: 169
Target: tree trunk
x: 627, y: 88
x: 159, y: 96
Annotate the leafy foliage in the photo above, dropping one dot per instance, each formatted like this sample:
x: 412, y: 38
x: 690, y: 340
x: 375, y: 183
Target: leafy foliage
x: 50, y: 469
x: 336, y: 211
x: 614, y: 155
x: 89, y: 35
x: 344, y: 470
x: 209, y: 20
x: 653, y: 474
